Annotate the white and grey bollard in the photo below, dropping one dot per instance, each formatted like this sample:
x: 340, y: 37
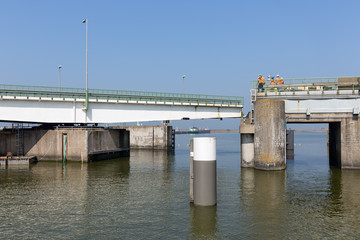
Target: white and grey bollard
x: 204, y: 171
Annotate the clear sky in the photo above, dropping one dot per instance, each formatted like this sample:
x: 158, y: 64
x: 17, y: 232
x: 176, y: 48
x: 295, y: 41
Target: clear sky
x: 148, y: 45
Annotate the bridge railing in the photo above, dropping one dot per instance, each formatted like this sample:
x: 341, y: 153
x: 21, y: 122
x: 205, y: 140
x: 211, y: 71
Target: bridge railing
x: 312, y: 84
x: 63, y: 92
x: 301, y: 80
x: 168, y: 97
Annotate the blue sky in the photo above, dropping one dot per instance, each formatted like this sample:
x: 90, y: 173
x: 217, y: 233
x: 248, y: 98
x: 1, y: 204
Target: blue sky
x: 148, y: 45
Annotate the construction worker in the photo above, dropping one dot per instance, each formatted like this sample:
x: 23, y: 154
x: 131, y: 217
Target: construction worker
x: 268, y: 78
x: 279, y: 81
x: 261, y: 82
x: 272, y: 82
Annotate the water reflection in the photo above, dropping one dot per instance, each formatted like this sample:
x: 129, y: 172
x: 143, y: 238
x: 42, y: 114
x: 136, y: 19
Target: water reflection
x: 335, y: 204
x: 344, y: 200
x: 152, y: 159
x: 263, y: 199
x: 203, y: 221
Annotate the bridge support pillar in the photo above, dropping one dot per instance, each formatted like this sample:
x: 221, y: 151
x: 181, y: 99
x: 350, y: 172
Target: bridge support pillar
x: 344, y: 142
x: 247, y: 143
x: 350, y: 143
x: 270, y: 135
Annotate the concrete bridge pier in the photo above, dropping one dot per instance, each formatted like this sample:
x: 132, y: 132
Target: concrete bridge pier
x: 247, y: 143
x: 344, y: 139
x: 270, y: 134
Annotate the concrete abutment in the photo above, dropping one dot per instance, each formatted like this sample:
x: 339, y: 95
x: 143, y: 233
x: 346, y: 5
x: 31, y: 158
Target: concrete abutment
x: 157, y: 137
x: 73, y: 144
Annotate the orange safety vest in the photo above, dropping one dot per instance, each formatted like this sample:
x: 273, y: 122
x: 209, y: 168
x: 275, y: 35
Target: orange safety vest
x: 272, y: 82
x: 261, y: 80
x: 279, y: 81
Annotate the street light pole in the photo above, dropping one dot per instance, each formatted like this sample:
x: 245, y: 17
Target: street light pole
x: 59, y: 76
x: 86, y: 89
x: 183, y: 77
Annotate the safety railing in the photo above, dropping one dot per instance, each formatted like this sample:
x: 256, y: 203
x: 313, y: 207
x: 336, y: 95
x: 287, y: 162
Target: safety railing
x: 312, y: 84
x: 63, y: 92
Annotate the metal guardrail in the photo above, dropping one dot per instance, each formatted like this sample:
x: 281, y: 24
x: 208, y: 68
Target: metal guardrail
x: 63, y: 92
x: 300, y: 80
x: 304, y: 83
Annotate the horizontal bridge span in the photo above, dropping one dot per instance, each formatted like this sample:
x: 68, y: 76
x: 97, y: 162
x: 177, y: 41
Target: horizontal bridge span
x: 101, y: 95
x: 67, y: 105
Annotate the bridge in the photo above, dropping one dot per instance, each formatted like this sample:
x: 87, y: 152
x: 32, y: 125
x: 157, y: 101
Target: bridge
x: 335, y: 101
x: 60, y: 109
x: 36, y: 104
x: 315, y: 99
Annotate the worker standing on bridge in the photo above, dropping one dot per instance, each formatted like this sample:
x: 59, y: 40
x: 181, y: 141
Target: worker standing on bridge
x: 268, y: 78
x: 279, y: 80
x: 272, y: 82
x: 261, y: 82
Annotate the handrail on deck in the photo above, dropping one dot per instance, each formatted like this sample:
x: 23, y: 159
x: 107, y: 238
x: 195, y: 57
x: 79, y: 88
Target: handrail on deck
x: 301, y: 84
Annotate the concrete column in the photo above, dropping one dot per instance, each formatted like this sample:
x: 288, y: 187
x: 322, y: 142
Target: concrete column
x: 270, y: 135
x: 350, y: 143
x: 247, y: 143
x: 247, y: 150
x: 204, y: 171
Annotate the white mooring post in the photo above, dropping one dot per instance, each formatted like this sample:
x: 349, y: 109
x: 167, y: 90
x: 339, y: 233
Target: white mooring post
x: 204, y: 171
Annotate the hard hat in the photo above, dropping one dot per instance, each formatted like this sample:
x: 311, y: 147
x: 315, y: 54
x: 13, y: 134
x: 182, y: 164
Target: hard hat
x: 277, y: 75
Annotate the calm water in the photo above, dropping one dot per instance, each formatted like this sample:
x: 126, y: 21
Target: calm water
x: 148, y: 197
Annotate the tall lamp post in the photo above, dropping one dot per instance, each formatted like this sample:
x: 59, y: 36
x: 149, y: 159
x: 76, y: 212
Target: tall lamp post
x: 183, y: 77
x: 59, y: 76
x: 86, y: 89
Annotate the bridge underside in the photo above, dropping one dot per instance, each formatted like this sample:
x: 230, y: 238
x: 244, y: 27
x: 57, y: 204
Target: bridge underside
x: 63, y: 111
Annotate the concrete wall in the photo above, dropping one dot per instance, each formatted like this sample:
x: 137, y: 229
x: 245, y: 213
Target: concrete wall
x: 7, y: 142
x: 80, y: 142
x: 104, y: 140
x: 49, y: 144
x: 149, y: 137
